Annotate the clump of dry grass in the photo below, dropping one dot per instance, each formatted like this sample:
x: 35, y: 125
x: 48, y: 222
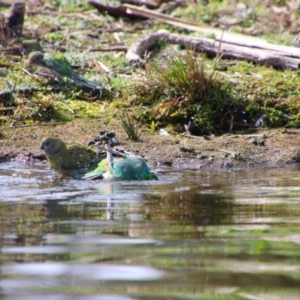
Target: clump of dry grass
x: 185, y: 91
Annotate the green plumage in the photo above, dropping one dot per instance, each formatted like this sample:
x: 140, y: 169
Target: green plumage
x: 130, y: 167
x: 56, y: 66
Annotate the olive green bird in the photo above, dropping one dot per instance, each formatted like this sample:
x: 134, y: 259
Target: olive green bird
x: 56, y: 66
x: 73, y: 160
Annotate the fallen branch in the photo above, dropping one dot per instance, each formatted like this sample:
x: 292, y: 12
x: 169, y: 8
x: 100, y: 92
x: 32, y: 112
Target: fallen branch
x: 146, y: 3
x: 136, y: 51
x: 114, y: 11
x: 181, y: 23
x: 111, y: 49
x: 152, y: 5
x: 284, y: 58
x: 122, y: 12
x: 172, y: 7
x: 262, y: 56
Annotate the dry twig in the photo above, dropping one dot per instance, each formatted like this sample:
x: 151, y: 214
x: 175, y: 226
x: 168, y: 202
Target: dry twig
x: 32, y: 125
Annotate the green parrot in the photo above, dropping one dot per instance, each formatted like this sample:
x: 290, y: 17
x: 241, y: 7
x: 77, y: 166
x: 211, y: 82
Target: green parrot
x: 56, y: 66
x: 128, y: 167
x: 72, y: 160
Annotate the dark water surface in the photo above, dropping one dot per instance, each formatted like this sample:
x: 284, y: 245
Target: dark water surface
x: 230, y: 234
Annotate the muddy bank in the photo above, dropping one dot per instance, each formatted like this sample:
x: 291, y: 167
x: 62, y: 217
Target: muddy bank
x: 264, y: 148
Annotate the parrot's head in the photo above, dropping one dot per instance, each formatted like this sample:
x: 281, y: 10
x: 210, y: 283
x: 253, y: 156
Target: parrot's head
x: 52, y: 145
x: 35, y: 58
x: 29, y: 46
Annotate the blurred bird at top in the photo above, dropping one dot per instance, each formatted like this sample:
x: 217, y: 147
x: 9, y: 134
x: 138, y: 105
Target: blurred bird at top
x: 53, y: 65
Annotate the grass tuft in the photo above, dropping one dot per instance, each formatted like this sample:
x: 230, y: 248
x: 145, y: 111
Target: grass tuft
x: 130, y: 127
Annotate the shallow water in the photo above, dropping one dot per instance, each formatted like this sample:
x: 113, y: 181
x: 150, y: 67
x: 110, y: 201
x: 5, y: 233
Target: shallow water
x: 228, y: 234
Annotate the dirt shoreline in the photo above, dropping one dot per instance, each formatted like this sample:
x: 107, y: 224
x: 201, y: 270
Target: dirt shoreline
x: 264, y: 148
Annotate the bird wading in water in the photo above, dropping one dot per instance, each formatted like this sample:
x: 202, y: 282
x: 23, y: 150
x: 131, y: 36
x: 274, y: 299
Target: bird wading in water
x: 82, y: 162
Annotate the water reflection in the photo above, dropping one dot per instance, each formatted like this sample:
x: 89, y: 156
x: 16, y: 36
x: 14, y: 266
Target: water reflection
x: 230, y: 234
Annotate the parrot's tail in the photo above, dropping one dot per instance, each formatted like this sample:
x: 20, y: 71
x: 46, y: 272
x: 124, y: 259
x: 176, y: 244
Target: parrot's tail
x: 87, y: 83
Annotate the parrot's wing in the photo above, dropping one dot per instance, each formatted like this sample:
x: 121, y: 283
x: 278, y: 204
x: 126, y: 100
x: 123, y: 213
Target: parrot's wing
x: 37, y: 63
x: 58, y: 64
x: 78, y: 156
x: 46, y: 72
x: 97, y: 171
x: 139, y: 168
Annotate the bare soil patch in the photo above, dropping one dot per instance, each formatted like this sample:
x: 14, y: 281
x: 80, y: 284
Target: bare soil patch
x: 264, y: 148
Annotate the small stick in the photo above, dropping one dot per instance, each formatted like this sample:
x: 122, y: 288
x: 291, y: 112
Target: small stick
x: 31, y: 125
x: 66, y: 106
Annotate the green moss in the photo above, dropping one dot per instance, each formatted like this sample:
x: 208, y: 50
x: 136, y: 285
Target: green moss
x: 87, y: 110
x: 54, y: 36
x: 4, y: 120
